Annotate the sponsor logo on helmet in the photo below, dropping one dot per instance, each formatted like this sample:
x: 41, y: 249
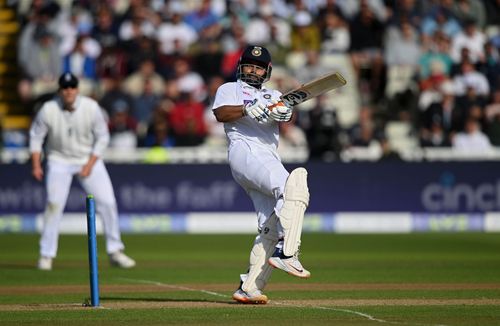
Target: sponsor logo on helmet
x: 257, y: 51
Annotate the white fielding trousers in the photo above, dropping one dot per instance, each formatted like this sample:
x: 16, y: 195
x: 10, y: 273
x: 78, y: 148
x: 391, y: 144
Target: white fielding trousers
x: 58, y: 183
x: 260, y: 172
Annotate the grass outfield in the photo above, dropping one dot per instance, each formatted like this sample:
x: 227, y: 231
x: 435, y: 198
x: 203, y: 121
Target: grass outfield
x: 404, y: 279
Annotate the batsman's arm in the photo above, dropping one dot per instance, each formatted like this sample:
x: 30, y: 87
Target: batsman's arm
x: 229, y: 113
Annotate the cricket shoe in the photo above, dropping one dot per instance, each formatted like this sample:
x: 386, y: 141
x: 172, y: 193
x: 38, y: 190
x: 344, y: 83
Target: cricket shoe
x: 119, y: 259
x: 291, y: 265
x: 254, y: 297
x: 44, y: 263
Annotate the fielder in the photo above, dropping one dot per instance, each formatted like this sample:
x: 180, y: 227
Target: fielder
x: 77, y: 135
x: 251, y: 114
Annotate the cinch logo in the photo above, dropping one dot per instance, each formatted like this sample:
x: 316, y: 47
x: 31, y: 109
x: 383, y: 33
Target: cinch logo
x: 448, y: 195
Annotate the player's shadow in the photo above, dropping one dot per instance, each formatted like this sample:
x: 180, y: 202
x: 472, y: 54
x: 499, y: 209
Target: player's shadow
x: 20, y: 266
x: 110, y: 298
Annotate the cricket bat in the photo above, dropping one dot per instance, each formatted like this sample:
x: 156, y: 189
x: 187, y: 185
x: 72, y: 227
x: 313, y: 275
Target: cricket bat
x: 313, y: 88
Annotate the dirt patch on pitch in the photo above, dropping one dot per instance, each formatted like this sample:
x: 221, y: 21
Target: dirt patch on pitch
x: 305, y: 286
x: 314, y: 304
x: 222, y: 295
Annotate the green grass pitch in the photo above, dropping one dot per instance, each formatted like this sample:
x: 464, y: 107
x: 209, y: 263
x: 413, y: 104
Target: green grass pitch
x: 388, y: 279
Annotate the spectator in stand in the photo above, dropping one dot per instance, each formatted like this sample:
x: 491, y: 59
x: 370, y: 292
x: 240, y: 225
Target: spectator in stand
x: 402, y: 45
x: 186, y: 121
x: 158, y: 133
x: 142, y: 48
x: 323, y: 132
x: 470, y: 10
x: 106, y: 29
x: 490, y: 65
x: 69, y: 28
x: 175, y: 35
x: 312, y: 69
x: 305, y: 35
x: 145, y: 103
x: 492, y: 12
x: 291, y: 136
x: 407, y: 10
x: 268, y: 28
x: 202, y: 18
x: 122, y: 127
x: 112, y: 93
x: 431, y: 91
x: 215, y: 130
x: 440, y: 20
x: 471, y: 104
x: 436, y: 61
x: 189, y: 81
x: 388, y: 152
x: 335, y: 37
x: 472, y: 140
x: 82, y: 65
x: 40, y: 61
x: 207, y: 60
x: 365, y: 132
x: 112, y: 64
x: 134, y: 84
x: 350, y: 9
x: 471, y: 78
x: 445, y: 112
x: 470, y: 38
x: 234, y: 44
x: 492, y: 115
x: 138, y: 25
x: 435, y: 136
x: 366, y: 43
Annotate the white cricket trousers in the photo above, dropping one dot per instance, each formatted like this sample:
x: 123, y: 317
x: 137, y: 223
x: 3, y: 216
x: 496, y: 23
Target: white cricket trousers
x: 260, y: 172
x: 98, y: 183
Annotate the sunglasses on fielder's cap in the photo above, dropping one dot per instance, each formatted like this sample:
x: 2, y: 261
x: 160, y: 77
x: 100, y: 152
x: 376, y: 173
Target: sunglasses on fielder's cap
x: 68, y: 80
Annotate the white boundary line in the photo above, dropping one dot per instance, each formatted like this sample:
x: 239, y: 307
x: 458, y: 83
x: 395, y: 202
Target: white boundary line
x: 357, y: 313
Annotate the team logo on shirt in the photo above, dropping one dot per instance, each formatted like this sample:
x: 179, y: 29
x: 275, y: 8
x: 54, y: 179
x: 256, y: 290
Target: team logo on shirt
x: 267, y: 96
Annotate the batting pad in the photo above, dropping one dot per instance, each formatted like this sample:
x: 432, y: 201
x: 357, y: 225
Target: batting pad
x: 259, y: 270
x: 291, y: 215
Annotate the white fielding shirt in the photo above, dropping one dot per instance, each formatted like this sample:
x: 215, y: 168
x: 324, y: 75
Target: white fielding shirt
x: 246, y: 129
x: 72, y: 137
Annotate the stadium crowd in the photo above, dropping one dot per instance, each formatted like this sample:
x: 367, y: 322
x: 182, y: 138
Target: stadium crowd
x: 154, y: 66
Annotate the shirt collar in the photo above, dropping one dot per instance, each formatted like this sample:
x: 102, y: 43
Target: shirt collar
x: 75, y: 105
x: 245, y: 85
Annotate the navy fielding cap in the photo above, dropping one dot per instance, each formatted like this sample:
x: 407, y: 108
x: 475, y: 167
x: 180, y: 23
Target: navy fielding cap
x: 256, y: 53
x: 68, y: 80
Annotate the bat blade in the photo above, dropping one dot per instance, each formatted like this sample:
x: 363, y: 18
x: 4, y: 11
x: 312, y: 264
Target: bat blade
x: 313, y: 88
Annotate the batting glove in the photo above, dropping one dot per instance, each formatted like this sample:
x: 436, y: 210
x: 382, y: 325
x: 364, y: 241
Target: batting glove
x: 257, y: 111
x: 280, y: 112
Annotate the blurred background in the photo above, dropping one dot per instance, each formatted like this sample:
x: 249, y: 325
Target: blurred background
x: 410, y: 144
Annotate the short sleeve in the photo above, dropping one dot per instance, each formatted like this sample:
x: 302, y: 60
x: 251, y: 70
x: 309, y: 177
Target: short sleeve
x: 227, y: 94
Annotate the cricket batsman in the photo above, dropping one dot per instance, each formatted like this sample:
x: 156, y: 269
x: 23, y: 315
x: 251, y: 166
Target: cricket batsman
x: 251, y: 114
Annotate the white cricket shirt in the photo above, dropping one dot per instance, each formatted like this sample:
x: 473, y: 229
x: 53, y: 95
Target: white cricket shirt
x: 71, y: 136
x: 247, y: 129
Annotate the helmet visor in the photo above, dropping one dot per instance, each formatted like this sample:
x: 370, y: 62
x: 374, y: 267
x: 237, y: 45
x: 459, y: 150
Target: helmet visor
x: 253, y: 74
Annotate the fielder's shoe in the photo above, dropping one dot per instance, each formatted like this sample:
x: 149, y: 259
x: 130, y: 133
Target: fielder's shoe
x: 255, y: 297
x: 291, y: 265
x: 119, y: 259
x: 44, y: 263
